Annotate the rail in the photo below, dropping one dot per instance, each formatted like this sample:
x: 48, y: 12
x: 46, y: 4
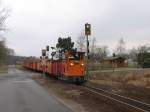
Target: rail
x: 138, y: 105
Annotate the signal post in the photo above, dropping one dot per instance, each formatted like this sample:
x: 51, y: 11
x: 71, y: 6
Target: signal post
x: 87, y: 33
x: 44, y: 58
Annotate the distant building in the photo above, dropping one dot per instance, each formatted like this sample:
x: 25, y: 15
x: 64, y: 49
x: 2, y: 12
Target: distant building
x: 116, y: 61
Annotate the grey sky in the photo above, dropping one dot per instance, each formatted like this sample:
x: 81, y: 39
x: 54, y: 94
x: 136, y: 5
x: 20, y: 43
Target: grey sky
x: 36, y: 23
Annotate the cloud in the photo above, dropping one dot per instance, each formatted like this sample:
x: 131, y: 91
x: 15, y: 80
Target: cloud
x: 36, y: 23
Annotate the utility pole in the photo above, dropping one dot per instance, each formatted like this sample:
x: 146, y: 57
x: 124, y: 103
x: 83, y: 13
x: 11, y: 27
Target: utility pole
x: 87, y: 33
x: 43, y: 57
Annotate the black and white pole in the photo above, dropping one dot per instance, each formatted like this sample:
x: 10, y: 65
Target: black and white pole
x: 87, y: 33
x: 47, y: 51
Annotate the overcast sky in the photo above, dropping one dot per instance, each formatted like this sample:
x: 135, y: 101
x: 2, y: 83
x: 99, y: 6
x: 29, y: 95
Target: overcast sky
x: 36, y: 23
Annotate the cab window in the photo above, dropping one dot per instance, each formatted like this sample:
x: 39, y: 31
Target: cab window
x: 75, y: 57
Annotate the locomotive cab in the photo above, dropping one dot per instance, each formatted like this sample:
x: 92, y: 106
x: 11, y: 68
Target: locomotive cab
x: 76, y: 59
x: 75, y: 67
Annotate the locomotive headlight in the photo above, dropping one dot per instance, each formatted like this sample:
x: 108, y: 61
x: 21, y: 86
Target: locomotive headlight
x: 71, y: 64
x: 82, y: 64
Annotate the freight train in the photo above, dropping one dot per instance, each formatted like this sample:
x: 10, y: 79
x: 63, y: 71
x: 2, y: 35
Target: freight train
x: 69, y: 66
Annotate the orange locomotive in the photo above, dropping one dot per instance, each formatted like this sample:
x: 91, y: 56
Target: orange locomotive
x: 68, y: 66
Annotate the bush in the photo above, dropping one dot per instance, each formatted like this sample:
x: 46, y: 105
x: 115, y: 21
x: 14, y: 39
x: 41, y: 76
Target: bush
x: 146, y: 63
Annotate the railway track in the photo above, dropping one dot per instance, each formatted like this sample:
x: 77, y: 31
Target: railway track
x: 132, y: 103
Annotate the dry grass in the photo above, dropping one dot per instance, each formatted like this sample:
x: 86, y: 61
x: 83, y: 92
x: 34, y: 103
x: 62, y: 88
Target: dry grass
x: 136, y: 78
x: 3, y: 69
x: 19, y: 67
x: 142, y: 80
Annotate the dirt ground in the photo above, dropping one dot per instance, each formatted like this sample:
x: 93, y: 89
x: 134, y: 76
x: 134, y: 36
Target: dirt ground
x: 79, y: 98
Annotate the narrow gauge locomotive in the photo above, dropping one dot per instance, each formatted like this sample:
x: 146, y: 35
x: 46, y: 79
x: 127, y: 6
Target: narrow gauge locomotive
x: 68, y: 66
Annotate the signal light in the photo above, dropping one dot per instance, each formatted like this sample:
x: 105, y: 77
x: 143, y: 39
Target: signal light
x: 47, y: 48
x: 43, y: 52
x: 87, y: 29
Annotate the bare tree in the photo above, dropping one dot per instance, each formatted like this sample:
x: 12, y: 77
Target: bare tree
x: 121, y: 48
x: 143, y: 55
x: 10, y: 52
x: 4, y: 13
x: 143, y: 49
x: 139, y: 54
x: 81, y: 43
x: 133, y: 54
x: 102, y: 52
x: 3, y: 16
x: 93, y: 45
x: 3, y: 52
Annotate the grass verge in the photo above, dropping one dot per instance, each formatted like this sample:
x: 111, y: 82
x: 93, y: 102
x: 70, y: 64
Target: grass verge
x: 3, y: 69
